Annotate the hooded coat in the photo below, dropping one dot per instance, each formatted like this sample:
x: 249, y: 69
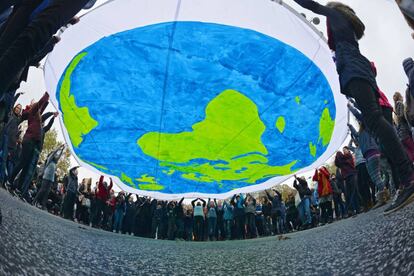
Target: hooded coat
x: 324, y: 185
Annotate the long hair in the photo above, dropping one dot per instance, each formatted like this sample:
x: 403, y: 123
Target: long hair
x: 398, y: 98
x: 408, y: 102
x: 349, y: 13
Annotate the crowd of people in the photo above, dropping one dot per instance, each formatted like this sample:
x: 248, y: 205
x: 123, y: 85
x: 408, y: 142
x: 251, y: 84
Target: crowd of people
x: 327, y: 198
x: 375, y: 166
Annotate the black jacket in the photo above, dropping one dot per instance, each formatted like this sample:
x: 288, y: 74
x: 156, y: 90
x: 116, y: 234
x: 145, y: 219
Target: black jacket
x: 302, y: 187
x: 350, y: 63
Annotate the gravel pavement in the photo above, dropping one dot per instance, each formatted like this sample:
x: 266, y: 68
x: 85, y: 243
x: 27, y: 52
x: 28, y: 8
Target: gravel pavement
x: 33, y: 242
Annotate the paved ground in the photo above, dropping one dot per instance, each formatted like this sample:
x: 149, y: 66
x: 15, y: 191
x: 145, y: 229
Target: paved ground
x: 33, y: 242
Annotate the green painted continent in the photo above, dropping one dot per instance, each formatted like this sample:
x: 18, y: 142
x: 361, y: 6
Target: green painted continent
x: 77, y: 119
x: 230, y: 135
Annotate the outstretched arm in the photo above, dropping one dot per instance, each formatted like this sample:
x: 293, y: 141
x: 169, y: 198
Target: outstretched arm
x: 315, y: 7
x: 193, y: 202
x: 355, y: 112
x: 59, y: 153
x: 40, y: 104
x: 17, y: 96
x: 353, y: 132
x: 315, y: 175
x: 279, y: 194
x: 49, y: 125
x: 110, y: 185
x: 47, y: 115
x: 100, y: 184
x: 204, y: 202
x: 269, y: 196
x: 350, y: 146
x: 296, y: 184
x: 232, y: 200
x: 127, y: 197
x: 89, y: 5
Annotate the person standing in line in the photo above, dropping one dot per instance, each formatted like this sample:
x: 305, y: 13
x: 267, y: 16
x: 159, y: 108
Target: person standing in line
x: 345, y: 162
x: 48, y: 178
x: 198, y: 218
x: 71, y: 191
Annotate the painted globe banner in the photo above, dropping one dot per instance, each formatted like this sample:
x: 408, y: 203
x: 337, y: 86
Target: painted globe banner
x: 194, y: 101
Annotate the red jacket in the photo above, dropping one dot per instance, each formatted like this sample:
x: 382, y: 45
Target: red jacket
x: 383, y: 101
x: 34, y: 117
x: 324, y: 185
x: 103, y: 193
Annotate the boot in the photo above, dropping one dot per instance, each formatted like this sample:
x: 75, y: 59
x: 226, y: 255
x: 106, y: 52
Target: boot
x: 381, y: 199
x: 387, y: 194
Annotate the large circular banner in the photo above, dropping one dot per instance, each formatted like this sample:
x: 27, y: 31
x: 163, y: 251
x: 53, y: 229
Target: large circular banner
x: 196, y: 97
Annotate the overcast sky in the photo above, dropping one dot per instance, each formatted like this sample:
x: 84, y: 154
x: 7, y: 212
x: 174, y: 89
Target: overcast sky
x: 387, y: 41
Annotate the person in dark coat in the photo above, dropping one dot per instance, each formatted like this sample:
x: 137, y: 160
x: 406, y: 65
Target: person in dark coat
x: 128, y: 223
x: 146, y: 215
x: 119, y: 213
x: 188, y: 225
x: 179, y: 212
x: 338, y: 190
x: 11, y: 134
x: 276, y: 211
x: 357, y: 81
x: 156, y: 219
x: 305, y: 194
x: 171, y: 218
x: 220, y: 222
x: 345, y: 162
x: 71, y: 189
x: 239, y: 216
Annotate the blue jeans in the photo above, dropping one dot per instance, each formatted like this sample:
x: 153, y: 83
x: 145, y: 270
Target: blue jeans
x: 267, y: 226
x: 118, y: 217
x: 251, y: 225
x: 304, y: 211
x: 339, y: 206
x: 374, y: 171
x: 352, y: 194
x: 198, y: 228
x: 27, y: 180
x: 212, y: 225
x: 180, y: 228
x: 227, y: 227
